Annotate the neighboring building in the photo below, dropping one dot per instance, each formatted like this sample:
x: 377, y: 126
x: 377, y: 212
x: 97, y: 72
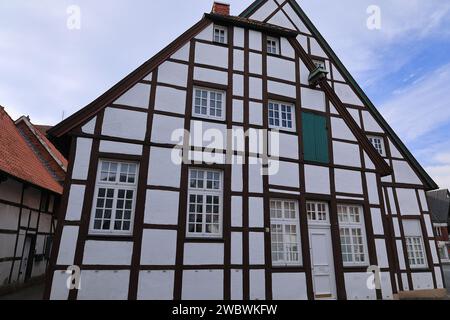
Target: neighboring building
x: 142, y: 224
x: 440, y: 214
x: 31, y: 172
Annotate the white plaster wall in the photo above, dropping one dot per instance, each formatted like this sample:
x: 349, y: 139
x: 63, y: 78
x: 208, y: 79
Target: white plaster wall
x: 108, y: 253
x: 104, y: 285
x: 295, y: 18
x: 121, y: 148
x: 346, y: 154
x: 161, y: 207
x: 282, y: 89
x: 412, y: 228
x: 287, y: 175
x: 370, y: 123
x: 304, y: 73
x: 75, y: 203
x: 89, y: 127
x: 236, y: 285
x: 355, y: 115
x: 255, y: 87
x: 257, y: 285
x: 236, y: 248
x: 303, y: 40
x: 124, y: 124
x: 183, y: 53
x: 408, y: 202
x: 289, y: 286
x: 254, y: 176
x: 67, y: 246
x: 287, y: 148
x: 316, y: 50
x: 256, y: 113
x: 394, y: 151
x: 368, y: 162
x: 348, y: 181
x: 208, y: 134
x: 164, y: 128
x: 59, y: 289
x: 404, y: 173
x: 236, y: 175
x: 82, y: 159
x: 400, y: 255
x: 255, y: 40
x: 206, y: 34
x: 256, y: 212
x: 238, y: 111
x: 10, y: 217
x: 386, y: 286
x: 429, y: 225
x: 405, y: 282
x: 202, y: 285
x: 372, y: 188
x: 7, y: 242
x: 138, y: 96
x: 346, y: 94
x: 381, y: 253
x: 256, y: 248
x: 156, y: 285
x: 203, y: 254
x: 238, y: 60
x: 239, y: 37
x: 255, y: 63
x: 439, y: 281
x: 313, y: 99
x: 238, y: 85
x: 377, y: 221
x: 286, y: 49
x: 207, y: 157
x: 209, y: 75
x: 264, y: 11
x: 392, y: 201
x: 434, y: 253
x: 162, y: 171
x: 280, y: 19
x: 11, y: 190
x: 236, y: 211
x: 211, y: 55
x: 317, y: 179
x: 170, y: 100
x: 5, y: 268
x: 173, y: 73
x: 340, y: 130
x: 422, y: 281
x: 356, y: 287
x: 423, y: 200
x: 280, y: 68
x: 159, y: 247
x: 337, y: 75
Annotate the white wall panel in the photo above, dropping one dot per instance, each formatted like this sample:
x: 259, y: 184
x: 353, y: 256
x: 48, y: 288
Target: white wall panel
x: 408, y: 202
x: 82, y: 159
x: 255, y: 63
x: 255, y: 40
x: 347, y: 95
x: 68, y: 245
x: 236, y: 211
x: 138, y: 96
x: 346, y: 154
x: 59, y: 289
x: 202, y: 285
x: 256, y: 212
x: 75, y: 203
x: 183, y: 53
x: 377, y: 221
x: 313, y: 99
x: 422, y: 281
x: 97, y: 285
x: 283, y: 89
x: 209, y: 75
x: 159, y: 247
x: 317, y: 179
x: 211, y: 55
x: 170, y: 100
x: 236, y: 285
x: 370, y: 123
x: 236, y: 248
x: 239, y: 37
x: 356, y: 287
x: 120, y: 148
x: 341, y: 130
x: 162, y: 170
x: 289, y: 286
x: 257, y: 285
x: 124, y: 124
x: 287, y: 174
x: 372, y: 188
x: 203, y: 253
x: 156, y: 285
x: 161, y: 207
x: 173, y: 73
x: 89, y: 127
x: 238, y: 60
x: 256, y: 248
x: 348, y: 181
x: 280, y: 68
x: 108, y: 253
x: 164, y: 128
x: 404, y: 173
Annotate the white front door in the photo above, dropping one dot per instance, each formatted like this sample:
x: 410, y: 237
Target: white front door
x: 322, y: 262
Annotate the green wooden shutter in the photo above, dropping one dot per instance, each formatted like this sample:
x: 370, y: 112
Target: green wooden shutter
x: 315, y: 138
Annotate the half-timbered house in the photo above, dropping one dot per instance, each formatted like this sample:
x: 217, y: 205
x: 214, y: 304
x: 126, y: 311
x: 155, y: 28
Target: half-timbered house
x: 31, y: 175
x: 142, y: 220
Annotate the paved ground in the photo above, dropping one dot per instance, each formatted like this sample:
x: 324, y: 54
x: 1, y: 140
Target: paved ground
x: 35, y: 292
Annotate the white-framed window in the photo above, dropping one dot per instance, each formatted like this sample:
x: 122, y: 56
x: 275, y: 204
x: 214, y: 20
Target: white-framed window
x: 285, y: 233
x: 205, y: 205
x: 281, y: 115
x: 115, y: 198
x: 317, y: 212
x: 416, y: 252
x: 378, y: 144
x: 220, y: 34
x: 209, y: 104
x: 320, y: 64
x: 353, y: 235
x: 273, y: 45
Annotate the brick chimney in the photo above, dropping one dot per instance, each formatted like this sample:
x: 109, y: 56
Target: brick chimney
x: 221, y: 8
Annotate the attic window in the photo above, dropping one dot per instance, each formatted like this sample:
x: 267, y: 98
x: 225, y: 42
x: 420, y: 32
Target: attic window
x: 378, y: 144
x: 273, y: 45
x: 220, y: 34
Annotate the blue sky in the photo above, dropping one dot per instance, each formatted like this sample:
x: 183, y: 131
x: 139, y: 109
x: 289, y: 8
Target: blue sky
x: 404, y: 67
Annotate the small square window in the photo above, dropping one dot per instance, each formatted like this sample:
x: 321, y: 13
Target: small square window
x: 209, y: 104
x: 220, y: 34
x: 378, y: 144
x: 273, y: 45
x: 281, y: 116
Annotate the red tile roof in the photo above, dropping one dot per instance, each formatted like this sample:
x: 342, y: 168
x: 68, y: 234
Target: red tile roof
x: 18, y: 160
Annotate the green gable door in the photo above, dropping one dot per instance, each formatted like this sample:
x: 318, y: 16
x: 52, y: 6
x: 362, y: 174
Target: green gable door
x: 315, y: 138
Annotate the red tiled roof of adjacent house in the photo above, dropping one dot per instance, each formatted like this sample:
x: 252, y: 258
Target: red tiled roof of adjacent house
x: 18, y: 160
x: 52, y: 148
